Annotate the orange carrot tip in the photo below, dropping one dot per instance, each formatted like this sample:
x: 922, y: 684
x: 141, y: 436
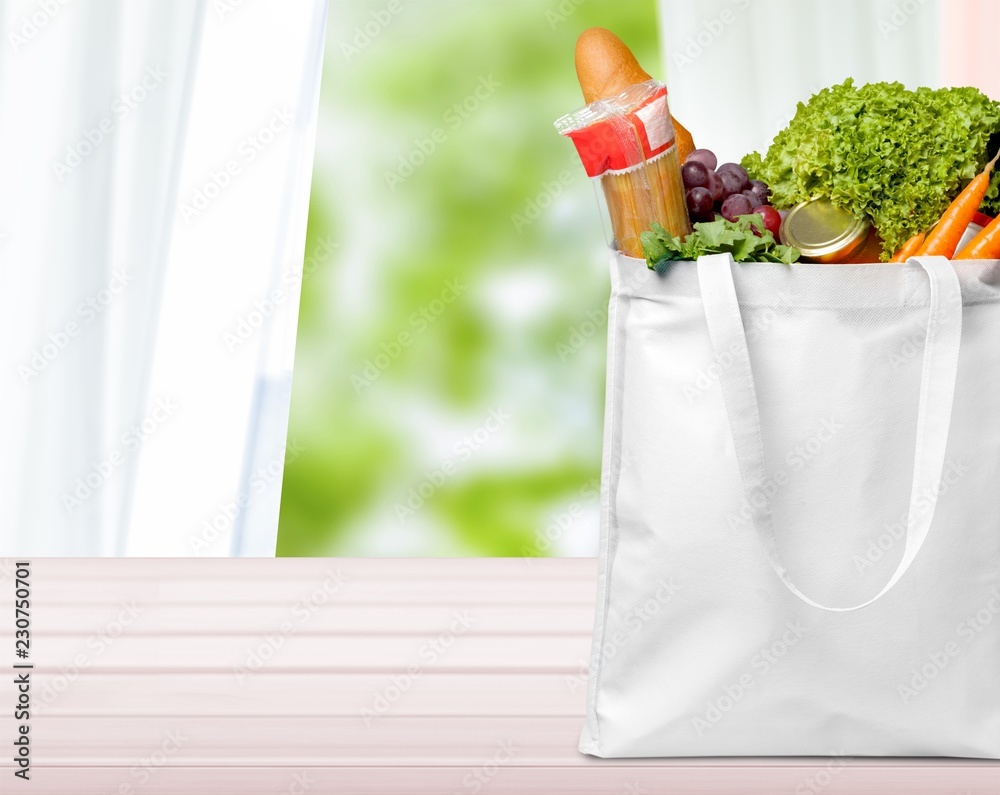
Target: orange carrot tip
x: 985, y: 245
x: 909, y: 248
x: 944, y: 238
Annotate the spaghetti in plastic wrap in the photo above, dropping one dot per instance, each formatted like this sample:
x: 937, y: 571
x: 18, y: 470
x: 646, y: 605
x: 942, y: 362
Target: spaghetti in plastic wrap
x: 627, y: 142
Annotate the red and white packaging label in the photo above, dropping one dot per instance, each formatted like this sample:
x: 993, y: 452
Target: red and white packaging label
x: 622, y: 143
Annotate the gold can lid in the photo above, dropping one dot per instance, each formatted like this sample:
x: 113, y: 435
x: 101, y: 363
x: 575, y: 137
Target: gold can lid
x: 822, y: 231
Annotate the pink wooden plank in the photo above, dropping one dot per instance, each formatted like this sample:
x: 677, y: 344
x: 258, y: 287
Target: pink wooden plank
x: 269, y: 694
x: 516, y: 674
x: 388, y: 741
x: 586, y: 779
x: 446, y: 648
x: 329, y: 618
x: 343, y: 589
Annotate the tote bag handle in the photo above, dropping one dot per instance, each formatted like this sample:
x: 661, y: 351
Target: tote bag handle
x: 937, y: 392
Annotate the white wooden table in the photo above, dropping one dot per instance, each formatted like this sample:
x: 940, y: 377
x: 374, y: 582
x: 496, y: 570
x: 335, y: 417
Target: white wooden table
x: 366, y: 676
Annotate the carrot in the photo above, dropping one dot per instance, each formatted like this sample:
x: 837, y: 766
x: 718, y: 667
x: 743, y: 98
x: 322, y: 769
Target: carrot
x: 985, y: 245
x: 909, y: 248
x: 943, y: 238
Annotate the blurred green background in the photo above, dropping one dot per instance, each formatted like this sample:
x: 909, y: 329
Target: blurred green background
x: 449, y: 376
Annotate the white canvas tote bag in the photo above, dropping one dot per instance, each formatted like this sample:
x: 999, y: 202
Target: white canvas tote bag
x: 800, y: 541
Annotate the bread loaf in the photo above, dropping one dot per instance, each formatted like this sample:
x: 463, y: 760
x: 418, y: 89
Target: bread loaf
x: 606, y: 67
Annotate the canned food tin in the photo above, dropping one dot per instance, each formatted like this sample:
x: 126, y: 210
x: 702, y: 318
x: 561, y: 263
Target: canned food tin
x: 825, y: 233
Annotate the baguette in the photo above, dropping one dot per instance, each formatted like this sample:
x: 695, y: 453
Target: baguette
x: 606, y: 67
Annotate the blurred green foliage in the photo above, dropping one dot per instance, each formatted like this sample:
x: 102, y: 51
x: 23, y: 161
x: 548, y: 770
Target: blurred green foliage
x: 449, y: 374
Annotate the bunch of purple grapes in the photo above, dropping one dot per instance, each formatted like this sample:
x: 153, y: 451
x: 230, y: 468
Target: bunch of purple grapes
x: 727, y: 191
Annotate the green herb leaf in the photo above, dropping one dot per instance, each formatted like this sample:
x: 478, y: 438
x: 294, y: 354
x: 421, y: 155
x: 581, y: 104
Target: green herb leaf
x: 716, y: 237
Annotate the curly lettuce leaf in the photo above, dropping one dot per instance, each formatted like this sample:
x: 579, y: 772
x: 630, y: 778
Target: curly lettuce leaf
x: 882, y: 152
x: 991, y: 205
x: 716, y: 237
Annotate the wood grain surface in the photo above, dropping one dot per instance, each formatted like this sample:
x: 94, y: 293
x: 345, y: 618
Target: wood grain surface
x: 366, y: 676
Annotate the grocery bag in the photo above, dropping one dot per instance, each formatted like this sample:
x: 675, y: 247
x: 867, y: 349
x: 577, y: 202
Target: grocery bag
x: 800, y: 512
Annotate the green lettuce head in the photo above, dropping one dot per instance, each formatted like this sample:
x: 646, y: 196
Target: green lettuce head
x: 882, y: 152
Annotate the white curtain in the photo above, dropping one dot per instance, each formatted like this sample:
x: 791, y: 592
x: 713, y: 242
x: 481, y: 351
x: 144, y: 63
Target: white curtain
x: 736, y: 68
x: 154, y: 174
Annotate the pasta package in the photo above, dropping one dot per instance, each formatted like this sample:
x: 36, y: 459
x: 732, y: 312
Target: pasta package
x: 627, y: 142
